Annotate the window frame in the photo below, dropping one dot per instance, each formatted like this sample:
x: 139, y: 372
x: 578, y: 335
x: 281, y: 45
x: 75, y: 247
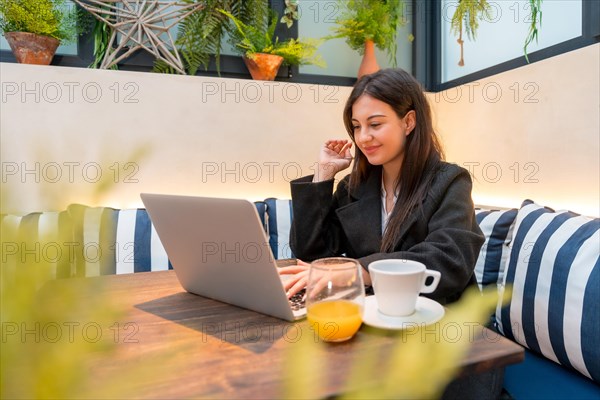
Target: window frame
x: 432, y: 79
x: 426, y: 51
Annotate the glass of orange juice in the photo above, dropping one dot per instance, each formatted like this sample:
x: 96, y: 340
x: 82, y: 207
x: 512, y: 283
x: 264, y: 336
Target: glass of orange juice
x: 335, y: 297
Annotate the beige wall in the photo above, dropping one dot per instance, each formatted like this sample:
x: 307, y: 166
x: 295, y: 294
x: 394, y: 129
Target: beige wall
x: 528, y: 133
x: 200, y: 136
x: 532, y: 132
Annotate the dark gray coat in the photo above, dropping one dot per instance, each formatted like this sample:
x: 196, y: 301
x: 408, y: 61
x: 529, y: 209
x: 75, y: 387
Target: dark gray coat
x: 445, y: 237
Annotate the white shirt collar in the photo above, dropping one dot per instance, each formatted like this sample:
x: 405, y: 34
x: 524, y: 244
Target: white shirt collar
x: 385, y: 214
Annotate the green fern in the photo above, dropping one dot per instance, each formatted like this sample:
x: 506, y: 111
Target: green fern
x: 162, y: 67
x: 197, y: 35
x: 201, y: 34
x: 256, y: 13
x: 252, y: 39
x: 295, y: 52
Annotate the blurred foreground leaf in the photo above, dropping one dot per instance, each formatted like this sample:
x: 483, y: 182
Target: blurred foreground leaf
x: 419, y: 363
x: 60, y: 337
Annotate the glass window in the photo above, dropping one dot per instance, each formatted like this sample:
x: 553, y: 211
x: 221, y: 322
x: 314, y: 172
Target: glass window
x: 226, y: 49
x: 317, y: 18
x: 501, y: 36
x: 433, y: 57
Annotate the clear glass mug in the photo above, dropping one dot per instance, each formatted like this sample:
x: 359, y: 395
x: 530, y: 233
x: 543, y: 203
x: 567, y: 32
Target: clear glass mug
x: 335, y: 298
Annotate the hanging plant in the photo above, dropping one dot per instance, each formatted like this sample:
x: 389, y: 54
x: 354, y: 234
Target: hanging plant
x: 468, y: 13
x: 536, y: 16
x: 466, y: 17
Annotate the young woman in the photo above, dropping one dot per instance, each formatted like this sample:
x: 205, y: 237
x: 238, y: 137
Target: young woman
x: 400, y: 199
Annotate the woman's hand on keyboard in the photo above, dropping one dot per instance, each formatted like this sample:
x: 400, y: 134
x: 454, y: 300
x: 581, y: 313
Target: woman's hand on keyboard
x: 298, y: 279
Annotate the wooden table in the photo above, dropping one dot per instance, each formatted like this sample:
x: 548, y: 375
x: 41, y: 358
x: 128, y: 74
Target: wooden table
x: 198, y: 347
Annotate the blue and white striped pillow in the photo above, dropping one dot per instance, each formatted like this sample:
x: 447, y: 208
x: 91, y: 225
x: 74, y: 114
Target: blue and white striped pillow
x: 93, y: 239
x: 111, y: 241
x: 261, y: 208
x: 86, y: 241
x: 138, y: 248
x: 279, y: 221
x: 497, y: 227
x: 39, y: 239
x: 554, y: 270
x: 128, y: 240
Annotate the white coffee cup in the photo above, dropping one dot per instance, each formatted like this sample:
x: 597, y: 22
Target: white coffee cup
x: 397, y: 284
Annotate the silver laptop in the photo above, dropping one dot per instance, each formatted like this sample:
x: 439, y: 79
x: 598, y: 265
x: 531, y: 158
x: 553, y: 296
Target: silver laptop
x: 219, y: 249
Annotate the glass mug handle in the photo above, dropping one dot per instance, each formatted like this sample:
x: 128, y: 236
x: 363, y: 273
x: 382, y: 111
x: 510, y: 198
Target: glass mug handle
x: 436, y: 275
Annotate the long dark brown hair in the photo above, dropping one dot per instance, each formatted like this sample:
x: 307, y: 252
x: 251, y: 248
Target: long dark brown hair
x: 423, y: 151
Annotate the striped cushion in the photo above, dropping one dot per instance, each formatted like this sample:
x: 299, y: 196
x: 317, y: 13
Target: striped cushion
x: 93, y: 237
x: 113, y: 241
x: 9, y: 225
x: 42, y: 240
x: 110, y: 241
x: 9, y: 229
x: 554, y: 269
x: 279, y: 220
x: 497, y: 227
x: 261, y: 208
x: 138, y: 247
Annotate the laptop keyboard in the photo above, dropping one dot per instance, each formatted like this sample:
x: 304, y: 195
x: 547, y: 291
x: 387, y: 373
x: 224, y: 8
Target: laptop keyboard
x: 298, y: 301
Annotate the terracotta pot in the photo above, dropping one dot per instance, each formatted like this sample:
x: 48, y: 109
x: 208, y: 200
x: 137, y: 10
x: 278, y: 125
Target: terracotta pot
x: 263, y: 66
x: 369, y: 61
x: 30, y: 48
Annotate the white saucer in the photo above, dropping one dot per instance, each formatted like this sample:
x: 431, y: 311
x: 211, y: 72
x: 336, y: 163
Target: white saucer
x: 427, y: 312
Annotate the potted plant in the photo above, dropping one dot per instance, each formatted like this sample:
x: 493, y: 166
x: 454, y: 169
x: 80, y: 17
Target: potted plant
x: 35, y: 28
x: 200, y: 35
x: 262, y: 51
x: 366, y: 24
